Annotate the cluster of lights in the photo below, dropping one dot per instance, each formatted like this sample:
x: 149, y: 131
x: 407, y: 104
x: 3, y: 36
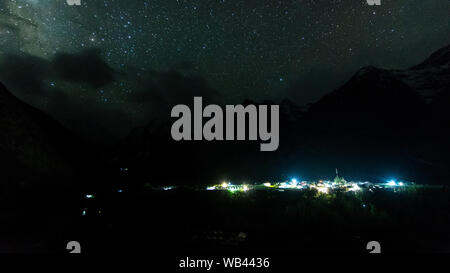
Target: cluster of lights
x: 322, y: 189
x: 354, y: 187
x: 230, y: 187
x: 293, y: 184
x: 393, y: 183
x: 321, y: 186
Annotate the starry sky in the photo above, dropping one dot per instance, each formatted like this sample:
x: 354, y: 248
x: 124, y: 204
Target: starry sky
x: 119, y: 63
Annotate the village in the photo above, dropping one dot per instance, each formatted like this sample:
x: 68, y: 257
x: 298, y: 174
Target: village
x: 322, y: 186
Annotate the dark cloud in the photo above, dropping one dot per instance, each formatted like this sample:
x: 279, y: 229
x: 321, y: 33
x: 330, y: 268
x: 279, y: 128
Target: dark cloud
x: 25, y: 73
x: 69, y: 87
x: 84, y: 67
x: 160, y: 91
x: 33, y: 79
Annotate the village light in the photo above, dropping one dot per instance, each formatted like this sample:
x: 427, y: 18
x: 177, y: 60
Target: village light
x: 89, y: 196
x: 391, y: 183
x: 322, y: 189
x: 354, y: 187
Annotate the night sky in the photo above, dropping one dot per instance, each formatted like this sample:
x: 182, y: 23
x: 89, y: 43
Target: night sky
x: 228, y: 49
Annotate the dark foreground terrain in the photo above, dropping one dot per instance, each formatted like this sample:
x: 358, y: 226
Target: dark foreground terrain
x: 123, y: 221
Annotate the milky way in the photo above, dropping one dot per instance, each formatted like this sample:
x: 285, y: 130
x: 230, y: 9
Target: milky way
x: 264, y: 49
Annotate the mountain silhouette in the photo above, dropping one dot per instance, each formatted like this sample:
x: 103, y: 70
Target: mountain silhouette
x: 34, y: 146
x: 379, y: 123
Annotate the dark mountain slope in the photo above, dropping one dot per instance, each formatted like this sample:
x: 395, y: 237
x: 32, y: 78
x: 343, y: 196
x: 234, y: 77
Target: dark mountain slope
x: 32, y: 140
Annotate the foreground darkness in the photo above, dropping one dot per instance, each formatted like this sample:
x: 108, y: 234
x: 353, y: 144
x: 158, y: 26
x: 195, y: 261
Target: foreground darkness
x: 380, y: 124
x: 186, y: 221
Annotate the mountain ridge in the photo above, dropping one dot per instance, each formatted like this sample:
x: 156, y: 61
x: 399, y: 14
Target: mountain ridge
x: 376, y: 112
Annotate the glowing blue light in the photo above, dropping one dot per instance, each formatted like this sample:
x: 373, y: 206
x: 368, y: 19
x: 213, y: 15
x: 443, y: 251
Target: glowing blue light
x: 391, y: 183
x: 400, y: 184
x: 294, y: 181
